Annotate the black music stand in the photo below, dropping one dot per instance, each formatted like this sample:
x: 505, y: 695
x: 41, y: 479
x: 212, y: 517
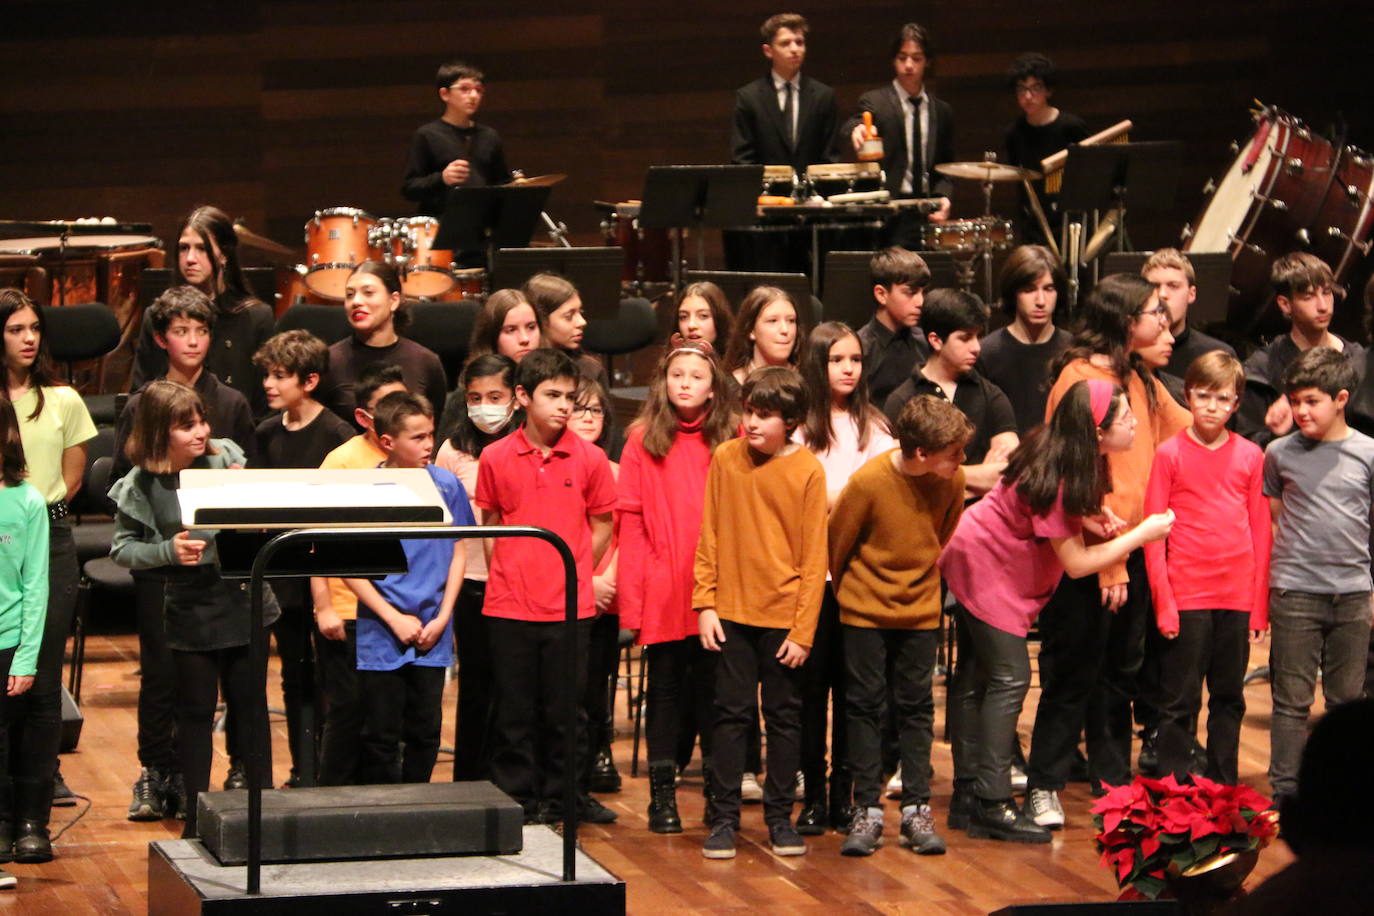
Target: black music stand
x: 594, y: 271
x: 480, y: 219
x: 679, y: 197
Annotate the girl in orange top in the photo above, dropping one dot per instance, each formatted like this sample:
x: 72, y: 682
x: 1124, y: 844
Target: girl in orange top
x: 1093, y: 633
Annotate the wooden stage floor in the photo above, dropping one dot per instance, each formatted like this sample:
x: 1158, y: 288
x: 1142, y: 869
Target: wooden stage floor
x: 101, y: 866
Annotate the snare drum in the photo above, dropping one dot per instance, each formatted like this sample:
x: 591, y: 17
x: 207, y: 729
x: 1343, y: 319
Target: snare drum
x: 336, y: 241
x: 427, y: 270
x: 968, y: 235
x: 469, y: 283
x: 648, y: 252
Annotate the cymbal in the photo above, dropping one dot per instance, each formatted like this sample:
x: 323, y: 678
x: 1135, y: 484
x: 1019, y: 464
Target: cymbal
x: 985, y: 171
x: 538, y: 181
x: 263, y: 245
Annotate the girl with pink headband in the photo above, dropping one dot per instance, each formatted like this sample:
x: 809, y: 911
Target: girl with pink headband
x: 1003, y: 564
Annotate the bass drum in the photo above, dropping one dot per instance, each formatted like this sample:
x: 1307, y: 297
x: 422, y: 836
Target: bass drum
x: 1265, y: 206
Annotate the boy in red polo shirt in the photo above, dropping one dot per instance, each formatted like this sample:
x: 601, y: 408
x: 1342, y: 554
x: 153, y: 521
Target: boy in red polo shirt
x: 545, y: 475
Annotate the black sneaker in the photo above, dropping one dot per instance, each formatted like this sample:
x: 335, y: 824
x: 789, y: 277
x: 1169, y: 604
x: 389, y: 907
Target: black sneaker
x: 237, y: 778
x: 785, y: 840
x: 918, y: 831
x: 812, y: 820
x: 62, y: 797
x: 591, y: 811
x: 148, y: 800
x: 865, y: 833
x: 174, y: 800
x: 720, y: 844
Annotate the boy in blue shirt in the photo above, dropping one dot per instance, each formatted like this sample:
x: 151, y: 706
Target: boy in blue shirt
x: 405, y: 622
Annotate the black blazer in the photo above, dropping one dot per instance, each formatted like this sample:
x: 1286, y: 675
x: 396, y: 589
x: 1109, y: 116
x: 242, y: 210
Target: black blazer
x: 890, y: 121
x: 758, y: 136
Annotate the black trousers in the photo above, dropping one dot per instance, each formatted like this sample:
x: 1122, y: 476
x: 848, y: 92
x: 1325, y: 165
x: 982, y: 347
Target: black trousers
x: 294, y: 630
x: 907, y: 657
x: 823, y: 682
x: 602, y: 651
x: 1213, y: 645
x: 36, y: 716
x: 402, y: 707
x: 472, y: 742
x: 681, y: 689
x: 337, y: 663
x: 157, y: 685
x: 1090, y: 661
x: 199, y: 675
x: 530, y: 737
x: 748, y: 661
x: 987, y: 691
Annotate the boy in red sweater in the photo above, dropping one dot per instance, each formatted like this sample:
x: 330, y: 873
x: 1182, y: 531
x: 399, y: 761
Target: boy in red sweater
x: 886, y: 532
x: 760, y: 572
x: 1210, y: 578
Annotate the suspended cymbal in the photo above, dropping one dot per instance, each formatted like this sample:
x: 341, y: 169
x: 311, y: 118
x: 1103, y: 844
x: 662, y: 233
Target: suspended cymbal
x: 985, y: 171
x: 538, y: 181
x: 263, y: 245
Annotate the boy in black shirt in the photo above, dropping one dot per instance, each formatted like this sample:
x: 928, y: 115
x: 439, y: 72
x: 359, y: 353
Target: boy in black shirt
x: 300, y: 436
x: 452, y: 150
x: 1042, y: 130
x: 892, y: 341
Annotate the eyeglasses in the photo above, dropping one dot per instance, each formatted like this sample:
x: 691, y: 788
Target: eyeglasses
x: 1160, y: 312
x: 1203, y: 397
x: 583, y: 410
x: 1031, y: 89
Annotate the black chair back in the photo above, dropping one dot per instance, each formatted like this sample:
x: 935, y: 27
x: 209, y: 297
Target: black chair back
x: 635, y: 326
x: 327, y: 322
x: 85, y: 331
x: 445, y: 328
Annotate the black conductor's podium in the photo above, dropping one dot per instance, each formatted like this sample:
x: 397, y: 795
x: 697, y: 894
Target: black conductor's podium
x: 283, y: 523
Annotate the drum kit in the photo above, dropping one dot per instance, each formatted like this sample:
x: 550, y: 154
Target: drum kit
x: 975, y: 239
x: 1287, y: 189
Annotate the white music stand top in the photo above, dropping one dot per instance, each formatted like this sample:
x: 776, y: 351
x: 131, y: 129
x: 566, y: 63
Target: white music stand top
x: 309, y: 498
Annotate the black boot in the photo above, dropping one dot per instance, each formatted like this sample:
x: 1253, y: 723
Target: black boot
x: 33, y: 803
x: 842, y: 808
x: 6, y: 819
x: 962, y: 805
x: 663, y: 816
x: 814, y: 817
x: 1001, y: 820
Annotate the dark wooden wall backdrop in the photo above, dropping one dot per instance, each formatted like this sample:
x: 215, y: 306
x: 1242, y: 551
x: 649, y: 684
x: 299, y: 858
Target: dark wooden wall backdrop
x: 274, y: 109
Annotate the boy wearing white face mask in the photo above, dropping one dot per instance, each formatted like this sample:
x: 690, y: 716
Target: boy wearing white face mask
x: 301, y: 435
x: 488, y: 388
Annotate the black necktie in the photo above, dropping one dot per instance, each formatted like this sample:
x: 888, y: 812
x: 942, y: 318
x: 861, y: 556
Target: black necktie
x: 918, y: 170
x: 788, y: 108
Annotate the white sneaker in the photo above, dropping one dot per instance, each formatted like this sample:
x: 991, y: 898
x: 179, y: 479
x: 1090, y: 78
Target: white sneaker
x: 7, y: 879
x: 750, y: 792
x: 894, y: 785
x: 1018, y: 778
x: 1043, y: 807
x: 800, y: 792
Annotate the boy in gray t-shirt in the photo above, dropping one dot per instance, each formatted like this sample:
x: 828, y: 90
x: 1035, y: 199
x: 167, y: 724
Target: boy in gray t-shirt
x: 1320, y: 484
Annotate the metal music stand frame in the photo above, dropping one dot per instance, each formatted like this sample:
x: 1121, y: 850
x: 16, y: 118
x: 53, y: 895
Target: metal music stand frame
x: 678, y: 197
x: 263, y: 569
x: 1102, y: 177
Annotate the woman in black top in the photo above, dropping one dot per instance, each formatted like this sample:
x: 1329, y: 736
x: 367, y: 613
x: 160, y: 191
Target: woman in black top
x: 207, y: 258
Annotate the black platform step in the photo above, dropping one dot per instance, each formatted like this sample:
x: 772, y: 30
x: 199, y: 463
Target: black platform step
x: 333, y: 823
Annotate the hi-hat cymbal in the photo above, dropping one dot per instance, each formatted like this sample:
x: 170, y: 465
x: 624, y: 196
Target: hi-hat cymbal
x: 985, y: 171
x: 265, y: 246
x: 538, y: 181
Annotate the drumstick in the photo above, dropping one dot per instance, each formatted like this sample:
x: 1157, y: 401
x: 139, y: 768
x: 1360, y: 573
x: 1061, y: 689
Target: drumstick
x: 1040, y: 217
x: 1056, y: 161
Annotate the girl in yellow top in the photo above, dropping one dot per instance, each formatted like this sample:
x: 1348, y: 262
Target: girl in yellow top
x: 54, y: 426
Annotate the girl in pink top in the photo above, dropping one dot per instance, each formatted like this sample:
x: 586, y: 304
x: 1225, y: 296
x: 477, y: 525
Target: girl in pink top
x: 662, y: 494
x: 1210, y: 580
x: 489, y: 413
x: 1006, y: 557
x: 844, y: 431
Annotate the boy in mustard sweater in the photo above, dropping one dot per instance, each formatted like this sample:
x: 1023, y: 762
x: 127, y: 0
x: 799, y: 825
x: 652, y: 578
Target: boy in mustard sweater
x: 760, y: 572
x: 886, y: 532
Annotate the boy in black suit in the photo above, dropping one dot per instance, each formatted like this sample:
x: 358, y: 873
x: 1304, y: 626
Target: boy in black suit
x: 784, y: 118
x: 903, y: 112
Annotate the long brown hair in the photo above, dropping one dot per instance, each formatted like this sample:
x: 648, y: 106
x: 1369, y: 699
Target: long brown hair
x: 815, y: 372
x: 216, y: 231
x: 40, y: 373
x: 659, y: 419
x: 721, y: 315
x: 1022, y: 268
x: 13, y: 467
x: 162, y: 405
x: 1104, y: 329
x: 1064, y: 456
x: 491, y: 317
x: 741, y: 349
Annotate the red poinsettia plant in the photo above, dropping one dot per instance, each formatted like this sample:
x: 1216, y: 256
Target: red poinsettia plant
x: 1148, y: 824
